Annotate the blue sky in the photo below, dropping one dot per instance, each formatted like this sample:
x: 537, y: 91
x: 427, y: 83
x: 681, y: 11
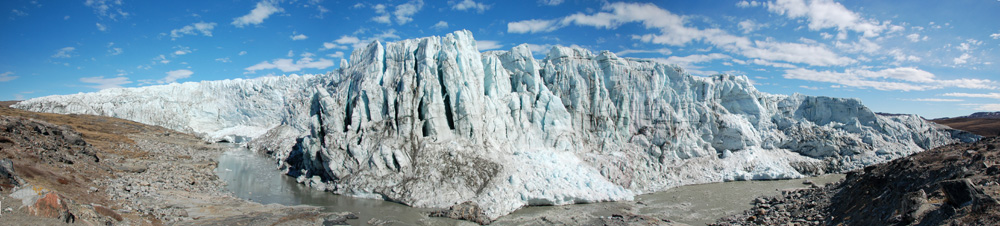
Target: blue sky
x: 932, y: 58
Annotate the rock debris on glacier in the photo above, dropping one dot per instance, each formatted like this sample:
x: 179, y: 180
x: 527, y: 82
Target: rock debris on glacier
x: 433, y: 122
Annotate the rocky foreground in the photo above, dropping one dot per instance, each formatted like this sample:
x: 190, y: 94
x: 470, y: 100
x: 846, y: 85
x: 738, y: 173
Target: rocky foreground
x: 950, y: 185
x: 95, y: 170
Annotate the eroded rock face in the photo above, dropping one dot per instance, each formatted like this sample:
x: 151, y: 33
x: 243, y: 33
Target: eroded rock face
x: 432, y: 122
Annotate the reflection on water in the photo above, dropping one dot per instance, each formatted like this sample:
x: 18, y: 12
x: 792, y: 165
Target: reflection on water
x: 253, y: 176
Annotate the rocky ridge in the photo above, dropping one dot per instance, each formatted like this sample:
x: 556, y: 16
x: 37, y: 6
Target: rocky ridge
x: 950, y: 185
x: 432, y: 122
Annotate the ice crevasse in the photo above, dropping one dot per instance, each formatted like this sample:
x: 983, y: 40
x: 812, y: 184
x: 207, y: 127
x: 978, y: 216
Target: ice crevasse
x: 433, y: 122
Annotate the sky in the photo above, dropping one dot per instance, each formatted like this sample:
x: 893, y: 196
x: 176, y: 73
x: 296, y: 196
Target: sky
x: 926, y: 57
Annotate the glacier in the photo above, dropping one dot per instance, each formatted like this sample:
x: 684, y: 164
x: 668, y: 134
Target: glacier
x: 434, y: 122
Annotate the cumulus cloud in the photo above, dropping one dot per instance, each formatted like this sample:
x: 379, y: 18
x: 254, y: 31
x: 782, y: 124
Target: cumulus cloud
x: 297, y: 37
x: 101, y: 27
x: 6, y: 76
x: 404, y: 12
x: 672, y: 30
x: 901, y: 79
x: 173, y: 76
x: 290, y: 65
x: 747, y: 4
x: 823, y: 14
x: 193, y: 29
x: 916, y: 37
x: 440, y: 25
x: 263, y: 10
x: 65, y: 52
x: 995, y: 36
x: 104, y: 83
x: 964, y: 58
x: 469, y: 5
x: 488, y: 45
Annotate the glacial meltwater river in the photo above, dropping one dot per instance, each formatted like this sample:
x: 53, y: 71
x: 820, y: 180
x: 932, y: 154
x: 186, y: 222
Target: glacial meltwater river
x: 254, y: 176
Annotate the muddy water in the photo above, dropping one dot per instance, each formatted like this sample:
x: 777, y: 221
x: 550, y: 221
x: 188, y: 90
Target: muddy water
x: 253, y: 176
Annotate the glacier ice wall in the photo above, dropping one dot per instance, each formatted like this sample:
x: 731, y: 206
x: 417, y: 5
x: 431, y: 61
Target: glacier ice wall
x: 433, y: 122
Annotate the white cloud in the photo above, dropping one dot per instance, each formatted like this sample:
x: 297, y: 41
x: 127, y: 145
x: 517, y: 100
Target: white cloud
x: 6, y: 76
x: 162, y: 59
x: 242, y: 53
x: 202, y: 27
x: 795, y: 53
x: 299, y: 37
x: 975, y: 95
x: 181, y: 50
x: 747, y: 4
x: 488, y: 45
x: 110, y: 9
x: 440, y: 25
x: 914, y: 37
x: 337, y: 54
x: 354, y: 42
x: 862, y: 45
x: 988, y: 107
x: 935, y: 100
x: 823, y: 14
x: 101, y: 27
x: 748, y: 26
x: 995, y: 36
x: 532, y: 26
x: 469, y: 4
x: 539, y: 49
x: 663, y: 51
x: 114, y: 51
x: 901, y: 57
x: 104, y: 83
x: 673, y: 31
x: 383, y: 16
x: 262, y: 11
x: 65, y: 52
x: 404, y: 12
x: 964, y: 58
x: 902, y: 79
x: 687, y: 61
x: 771, y: 64
x: 223, y: 60
x: 550, y: 2
x: 290, y: 53
x: 289, y: 65
x: 173, y: 76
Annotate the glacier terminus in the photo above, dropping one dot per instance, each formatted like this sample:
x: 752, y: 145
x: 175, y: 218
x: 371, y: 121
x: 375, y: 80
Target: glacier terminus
x: 433, y: 122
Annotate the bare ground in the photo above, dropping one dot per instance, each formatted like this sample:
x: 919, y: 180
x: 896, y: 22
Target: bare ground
x: 108, y: 171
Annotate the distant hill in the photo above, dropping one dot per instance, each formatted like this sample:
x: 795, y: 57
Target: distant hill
x: 985, y: 124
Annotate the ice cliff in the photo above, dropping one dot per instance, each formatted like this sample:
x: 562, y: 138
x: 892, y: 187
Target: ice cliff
x: 433, y: 122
